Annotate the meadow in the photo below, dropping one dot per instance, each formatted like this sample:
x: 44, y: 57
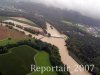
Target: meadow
x: 17, y: 61
x: 42, y: 60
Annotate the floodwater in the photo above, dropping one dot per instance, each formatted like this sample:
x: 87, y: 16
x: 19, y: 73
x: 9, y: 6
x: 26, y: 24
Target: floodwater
x: 74, y: 67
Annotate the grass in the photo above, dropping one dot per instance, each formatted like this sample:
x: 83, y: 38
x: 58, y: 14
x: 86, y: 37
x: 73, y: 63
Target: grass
x: 81, y: 27
x: 17, y: 61
x: 13, y: 41
x: 67, y: 22
x: 3, y: 18
x: 7, y: 41
x: 42, y: 60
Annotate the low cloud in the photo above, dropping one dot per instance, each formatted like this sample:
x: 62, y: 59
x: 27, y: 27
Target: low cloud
x: 89, y: 8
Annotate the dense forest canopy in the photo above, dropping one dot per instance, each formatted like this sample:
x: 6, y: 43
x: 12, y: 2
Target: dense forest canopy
x: 86, y: 48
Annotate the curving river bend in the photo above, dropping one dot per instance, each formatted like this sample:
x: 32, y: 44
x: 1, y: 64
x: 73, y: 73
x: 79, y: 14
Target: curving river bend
x: 65, y: 57
x: 58, y: 40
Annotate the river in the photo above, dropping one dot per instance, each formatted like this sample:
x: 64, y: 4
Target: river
x: 65, y: 57
x: 58, y: 40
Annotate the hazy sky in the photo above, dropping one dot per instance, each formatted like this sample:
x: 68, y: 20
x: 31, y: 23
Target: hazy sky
x: 86, y: 7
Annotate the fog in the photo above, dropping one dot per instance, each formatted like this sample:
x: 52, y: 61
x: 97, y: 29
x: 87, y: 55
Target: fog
x: 89, y: 8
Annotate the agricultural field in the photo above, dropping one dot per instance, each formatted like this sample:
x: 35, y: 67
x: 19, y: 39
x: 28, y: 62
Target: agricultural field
x: 7, y: 41
x: 3, y: 32
x: 22, y: 56
x: 42, y: 60
x: 11, y: 33
x: 23, y: 20
x: 79, y: 26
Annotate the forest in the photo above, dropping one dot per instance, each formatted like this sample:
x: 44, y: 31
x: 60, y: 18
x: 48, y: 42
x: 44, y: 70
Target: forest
x: 86, y: 48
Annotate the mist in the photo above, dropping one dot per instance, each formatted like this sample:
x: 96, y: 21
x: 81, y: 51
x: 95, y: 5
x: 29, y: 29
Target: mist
x: 89, y: 8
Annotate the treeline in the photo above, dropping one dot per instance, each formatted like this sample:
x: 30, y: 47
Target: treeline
x: 33, y: 31
x: 86, y: 48
x: 41, y: 46
x: 38, y: 20
x: 3, y: 49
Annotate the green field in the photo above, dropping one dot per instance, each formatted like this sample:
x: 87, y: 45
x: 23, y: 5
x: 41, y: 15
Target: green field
x: 42, y: 60
x: 3, y: 18
x: 12, y: 41
x: 6, y: 41
x: 67, y: 22
x: 17, y: 61
x: 81, y: 27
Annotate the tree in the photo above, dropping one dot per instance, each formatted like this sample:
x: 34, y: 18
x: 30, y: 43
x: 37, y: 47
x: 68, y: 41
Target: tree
x: 9, y: 38
x: 49, y: 35
x: 0, y: 73
x: 30, y: 35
